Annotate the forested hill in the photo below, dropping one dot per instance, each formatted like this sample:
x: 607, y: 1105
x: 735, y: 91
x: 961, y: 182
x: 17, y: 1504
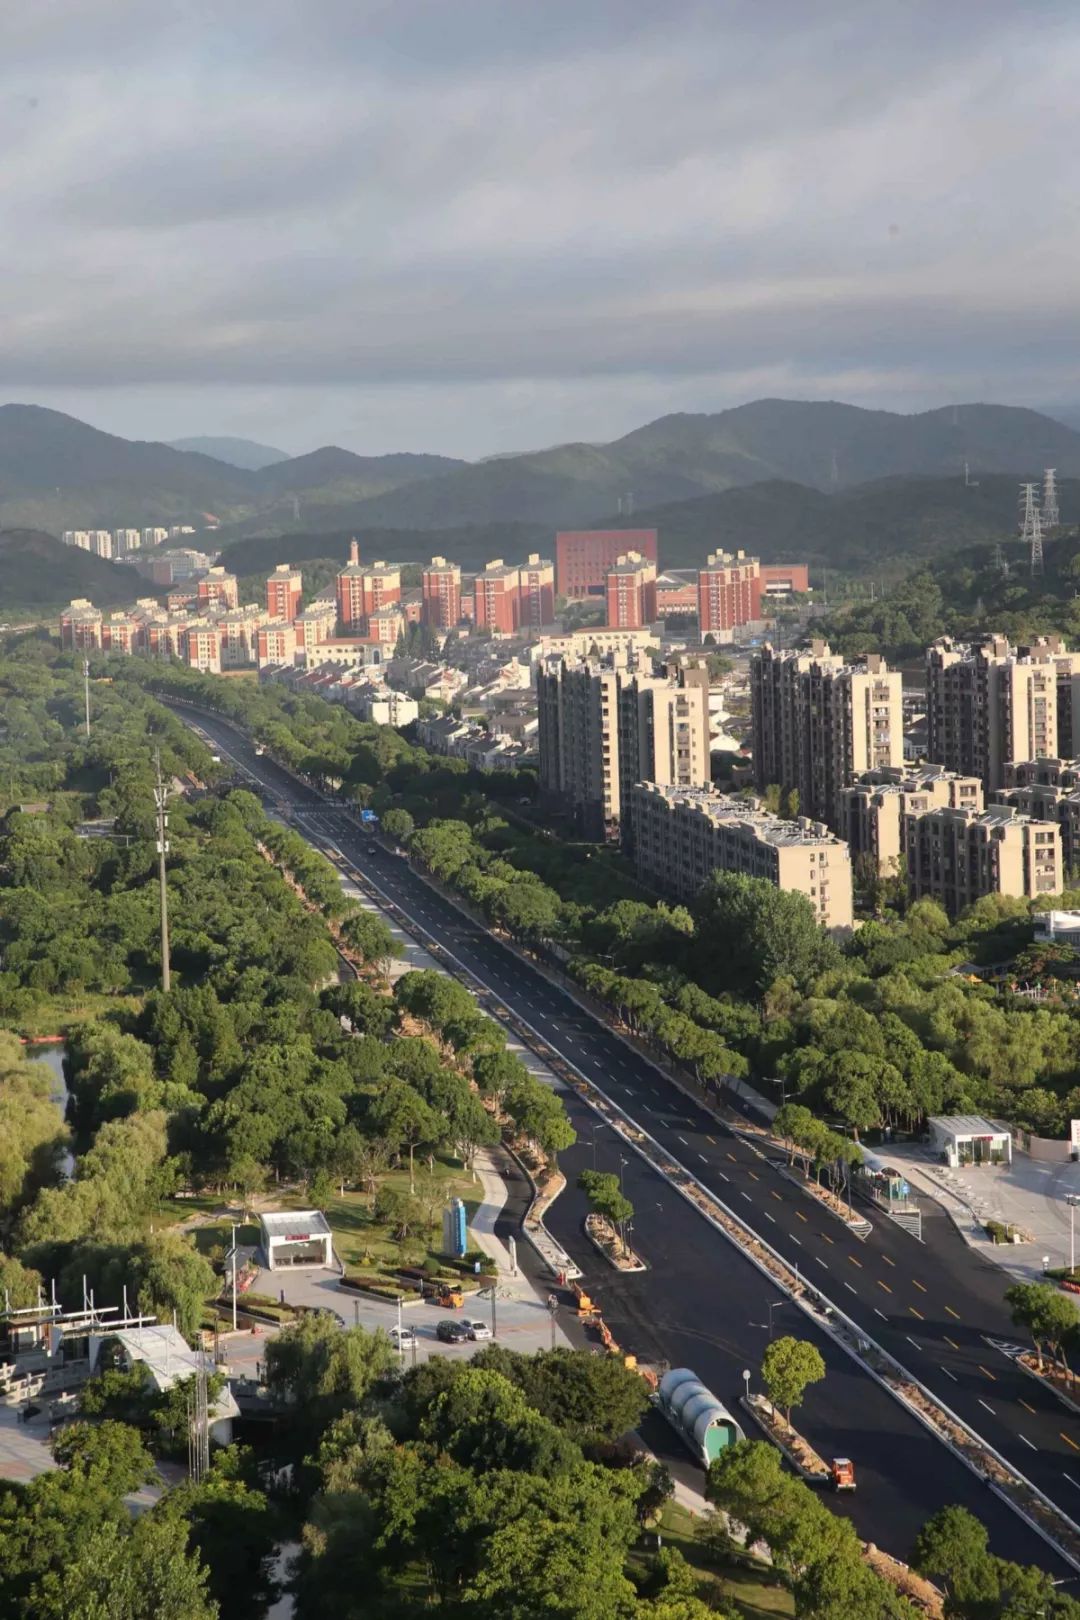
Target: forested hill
x: 39, y: 575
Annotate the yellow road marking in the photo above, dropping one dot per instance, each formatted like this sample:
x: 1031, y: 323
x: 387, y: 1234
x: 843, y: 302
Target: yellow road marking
x: 776, y: 1195
x: 1024, y: 1403
x: 753, y: 1176
x: 919, y: 1314
x: 880, y: 1284
x: 827, y: 1238
x: 855, y: 1262
x: 733, y: 1159
x: 1067, y: 1441
x: 953, y: 1342
x: 953, y: 1313
x: 988, y: 1373
x: 800, y: 1214
x: 887, y: 1261
x: 712, y: 1139
x: 918, y: 1285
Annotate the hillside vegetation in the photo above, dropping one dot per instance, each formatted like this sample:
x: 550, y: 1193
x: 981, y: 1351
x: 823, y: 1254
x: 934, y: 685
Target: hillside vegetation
x: 39, y: 575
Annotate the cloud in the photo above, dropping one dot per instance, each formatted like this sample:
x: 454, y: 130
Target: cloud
x: 558, y: 213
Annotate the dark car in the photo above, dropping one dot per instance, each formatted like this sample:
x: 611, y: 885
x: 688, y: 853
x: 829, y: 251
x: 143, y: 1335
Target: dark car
x: 451, y: 1331
x: 373, y: 849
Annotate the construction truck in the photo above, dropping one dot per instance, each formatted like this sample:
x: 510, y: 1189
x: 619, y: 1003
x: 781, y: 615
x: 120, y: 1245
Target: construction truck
x: 842, y: 1474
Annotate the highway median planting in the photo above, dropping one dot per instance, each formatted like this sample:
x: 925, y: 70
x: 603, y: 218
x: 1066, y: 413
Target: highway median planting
x: 807, y: 1463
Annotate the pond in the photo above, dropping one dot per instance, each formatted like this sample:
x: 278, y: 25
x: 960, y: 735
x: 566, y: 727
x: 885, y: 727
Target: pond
x: 53, y: 1057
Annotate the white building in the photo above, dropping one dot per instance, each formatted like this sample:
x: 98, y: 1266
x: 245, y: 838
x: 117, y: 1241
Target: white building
x: 299, y: 1237
x: 964, y: 1139
x: 1057, y: 928
x: 169, y: 1360
x: 154, y: 537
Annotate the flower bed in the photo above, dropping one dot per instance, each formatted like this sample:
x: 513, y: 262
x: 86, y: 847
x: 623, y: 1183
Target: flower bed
x: 798, y: 1451
x: 603, y: 1236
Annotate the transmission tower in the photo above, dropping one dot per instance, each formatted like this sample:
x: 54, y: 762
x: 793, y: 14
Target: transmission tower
x: 999, y: 561
x: 161, y: 801
x: 198, y: 1409
x: 1051, y: 516
x: 1029, y: 505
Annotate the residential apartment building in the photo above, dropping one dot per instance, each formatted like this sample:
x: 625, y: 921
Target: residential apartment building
x: 990, y: 704
x: 275, y: 643
x: 154, y: 537
x: 238, y: 634
x: 80, y: 626
x: 79, y: 538
x: 315, y: 625
x: 200, y: 646
x: 875, y: 809
x: 284, y: 588
x: 583, y: 556
x: 217, y: 591
x: 497, y: 598
x: 681, y: 836
x: 955, y: 856
x: 631, y: 592
x: 603, y: 727
x: 440, y: 594
x: 125, y: 541
x: 729, y: 593
x: 818, y: 723
x: 363, y: 589
x: 536, y: 592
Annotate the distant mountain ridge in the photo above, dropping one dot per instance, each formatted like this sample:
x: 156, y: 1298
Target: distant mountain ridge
x: 247, y: 454
x: 40, y: 575
x: 56, y: 472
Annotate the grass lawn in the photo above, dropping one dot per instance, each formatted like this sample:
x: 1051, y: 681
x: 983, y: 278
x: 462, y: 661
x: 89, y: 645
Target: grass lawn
x: 752, y: 1589
x: 359, y: 1239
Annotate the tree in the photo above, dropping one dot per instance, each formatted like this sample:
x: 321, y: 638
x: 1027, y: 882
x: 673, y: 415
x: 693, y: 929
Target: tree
x: 324, y: 1369
x: 398, y: 824
x: 590, y: 1396
x: 787, y: 1368
x: 952, y: 1548
x: 402, y: 1116
x: 606, y: 1199
x: 749, y: 933
x: 1048, y: 1315
x: 234, y: 1533
x: 126, y: 1571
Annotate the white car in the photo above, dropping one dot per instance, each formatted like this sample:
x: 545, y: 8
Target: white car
x: 478, y: 1330
x: 404, y: 1337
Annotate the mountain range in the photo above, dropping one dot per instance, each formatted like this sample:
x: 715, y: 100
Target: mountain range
x: 772, y: 474
x: 246, y: 453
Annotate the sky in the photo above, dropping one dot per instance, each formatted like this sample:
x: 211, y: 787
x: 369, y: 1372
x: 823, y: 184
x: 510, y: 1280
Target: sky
x: 475, y: 226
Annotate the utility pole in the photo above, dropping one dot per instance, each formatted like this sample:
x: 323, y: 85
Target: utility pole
x: 161, y: 802
x: 86, y: 683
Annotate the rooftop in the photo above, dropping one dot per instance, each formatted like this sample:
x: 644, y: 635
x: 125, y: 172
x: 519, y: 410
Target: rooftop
x: 284, y: 1223
x: 722, y: 807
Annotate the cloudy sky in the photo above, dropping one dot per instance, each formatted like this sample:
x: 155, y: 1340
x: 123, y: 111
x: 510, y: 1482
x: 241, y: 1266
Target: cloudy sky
x: 481, y: 225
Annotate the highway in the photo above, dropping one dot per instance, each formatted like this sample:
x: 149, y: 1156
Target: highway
x: 935, y: 1306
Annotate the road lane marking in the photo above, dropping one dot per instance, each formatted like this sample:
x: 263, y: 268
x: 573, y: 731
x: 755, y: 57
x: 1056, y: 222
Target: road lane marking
x: 753, y: 1175
x: 1067, y: 1441
x: 855, y: 1262
x: 703, y: 1159
x: 777, y: 1196
x: 953, y: 1342
x: 884, y: 1318
x: 910, y: 1340
x: 800, y: 1214
x: 769, y: 1217
x: 849, y: 1288
x: 1024, y: 1403
x: 820, y: 1261
x: 988, y: 1373
x: 795, y: 1240
x: 1027, y: 1442
x: 1070, y: 1479
x: 880, y: 1284
x: 746, y: 1195
x: 954, y: 1313
x: 682, y: 1139
x: 733, y: 1159
x: 887, y: 1261
x: 919, y: 1314
x: 827, y: 1238
x: 948, y: 1374
x: 722, y: 1176
x: 990, y: 1409
x: 711, y: 1139
x: 918, y: 1285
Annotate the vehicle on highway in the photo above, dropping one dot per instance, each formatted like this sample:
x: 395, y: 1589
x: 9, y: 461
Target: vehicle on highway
x: 477, y: 1329
x: 259, y: 750
x: 373, y: 849
x: 401, y: 853
x: 842, y: 1474
x: 451, y: 1332
x: 403, y: 1337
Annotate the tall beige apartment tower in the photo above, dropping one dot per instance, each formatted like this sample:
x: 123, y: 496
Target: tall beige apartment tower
x: 993, y: 703
x: 819, y: 722
x: 604, y: 727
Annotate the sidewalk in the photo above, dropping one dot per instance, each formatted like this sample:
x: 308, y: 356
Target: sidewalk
x: 1025, y: 1194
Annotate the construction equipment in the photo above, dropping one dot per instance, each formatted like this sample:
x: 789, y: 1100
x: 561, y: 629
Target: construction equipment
x: 842, y: 1474
x: 448, y: 1296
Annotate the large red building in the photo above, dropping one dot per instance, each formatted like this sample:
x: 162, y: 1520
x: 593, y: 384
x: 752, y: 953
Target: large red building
x: 284, y: 588
x: 583, y: 556
x: 729, y: 592
x: 217, y: 590
x: 497, y: 598
x: 780, y: 579
x: 440, y: 594
x: 631, y: 593
x: 365, y: 588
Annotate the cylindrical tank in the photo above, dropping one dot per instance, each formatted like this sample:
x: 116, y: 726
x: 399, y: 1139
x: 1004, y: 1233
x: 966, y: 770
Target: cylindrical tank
x: 704, y: 1423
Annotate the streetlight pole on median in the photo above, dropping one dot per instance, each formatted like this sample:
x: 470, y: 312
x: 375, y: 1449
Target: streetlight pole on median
x: 234, y: 1279
x: 1072, y: 1199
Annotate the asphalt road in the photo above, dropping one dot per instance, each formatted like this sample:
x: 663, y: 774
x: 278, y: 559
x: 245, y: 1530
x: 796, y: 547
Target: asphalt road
x: 934, y: 1305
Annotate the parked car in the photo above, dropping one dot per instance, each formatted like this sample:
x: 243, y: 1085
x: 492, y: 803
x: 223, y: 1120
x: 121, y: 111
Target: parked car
x: 478, y: 1329
x: 451, y: 1331
x: 403, y: 1337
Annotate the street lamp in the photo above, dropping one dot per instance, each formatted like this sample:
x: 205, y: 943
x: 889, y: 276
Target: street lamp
x: 746, y: 1381
x: 234, y: 1279
x: 1072, y: 1199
